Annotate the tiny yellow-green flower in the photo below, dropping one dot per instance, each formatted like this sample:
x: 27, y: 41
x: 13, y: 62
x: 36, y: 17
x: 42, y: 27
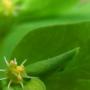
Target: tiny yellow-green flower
x: 14, y: 72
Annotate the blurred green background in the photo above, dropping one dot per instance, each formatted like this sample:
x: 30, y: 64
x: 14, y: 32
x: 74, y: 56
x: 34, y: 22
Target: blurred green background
x: 44, y: 29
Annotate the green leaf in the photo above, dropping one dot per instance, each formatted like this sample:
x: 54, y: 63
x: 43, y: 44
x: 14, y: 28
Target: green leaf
x: 19, y: 32
x: 47, y: 42
x: 51, y: 41
x: 51, y: 64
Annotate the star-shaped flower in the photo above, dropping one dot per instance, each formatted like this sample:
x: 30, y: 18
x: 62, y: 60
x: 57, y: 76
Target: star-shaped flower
x: 14, y: 73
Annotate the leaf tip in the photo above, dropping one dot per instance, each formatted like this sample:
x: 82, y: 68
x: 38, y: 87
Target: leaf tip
x: 77, y: 49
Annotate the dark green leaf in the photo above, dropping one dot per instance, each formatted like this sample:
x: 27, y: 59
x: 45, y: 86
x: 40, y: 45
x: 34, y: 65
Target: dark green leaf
x: 19, y: 32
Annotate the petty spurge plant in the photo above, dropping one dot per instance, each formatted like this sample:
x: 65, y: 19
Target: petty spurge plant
x: 54, y: 37
x: 14, y: 73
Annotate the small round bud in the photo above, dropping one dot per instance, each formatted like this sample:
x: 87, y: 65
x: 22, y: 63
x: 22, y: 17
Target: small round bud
x: 20, y: 69
x: 14, y: 73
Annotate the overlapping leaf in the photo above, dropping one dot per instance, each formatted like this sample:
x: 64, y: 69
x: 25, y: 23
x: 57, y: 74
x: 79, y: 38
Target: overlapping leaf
x: 51, y: 64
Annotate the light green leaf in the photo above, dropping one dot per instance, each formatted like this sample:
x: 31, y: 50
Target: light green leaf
x: 51, y: 64
x: 35, y: 84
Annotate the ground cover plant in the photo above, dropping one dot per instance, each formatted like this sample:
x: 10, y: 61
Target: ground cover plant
x: 44, y: 45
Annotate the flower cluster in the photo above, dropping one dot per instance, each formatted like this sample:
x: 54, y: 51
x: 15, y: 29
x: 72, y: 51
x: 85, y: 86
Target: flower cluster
x: 14, y: 73
x: 9, y: 7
